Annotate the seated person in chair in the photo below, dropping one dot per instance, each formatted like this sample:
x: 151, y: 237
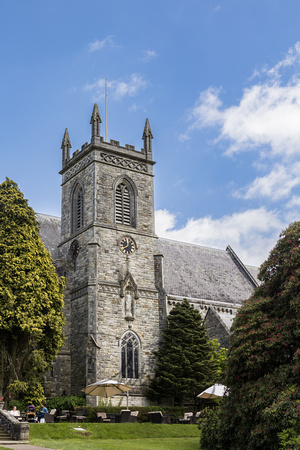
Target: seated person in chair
x: 14, y: 412
x: 42, y: 412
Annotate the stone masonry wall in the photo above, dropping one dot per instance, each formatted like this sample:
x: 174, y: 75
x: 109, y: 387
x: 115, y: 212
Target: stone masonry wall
x: 94, y: 297
x: 17, y: 430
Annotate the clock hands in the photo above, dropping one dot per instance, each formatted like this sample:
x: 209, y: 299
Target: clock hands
x: 127, y: 246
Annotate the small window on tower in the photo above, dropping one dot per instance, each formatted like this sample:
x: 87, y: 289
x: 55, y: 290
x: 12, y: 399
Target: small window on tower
x: 77, y: 209
x: 124, y: 204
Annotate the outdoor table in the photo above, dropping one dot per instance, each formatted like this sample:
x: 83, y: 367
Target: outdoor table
x: 112, y: 417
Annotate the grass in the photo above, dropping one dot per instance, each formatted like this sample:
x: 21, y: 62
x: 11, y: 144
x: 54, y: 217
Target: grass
x: 126, y: 436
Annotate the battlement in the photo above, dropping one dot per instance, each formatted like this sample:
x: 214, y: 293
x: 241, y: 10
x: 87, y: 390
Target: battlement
x: 113, y: 145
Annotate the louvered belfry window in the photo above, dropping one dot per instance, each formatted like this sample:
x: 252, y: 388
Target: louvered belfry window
x: 79, y: 218
x: 123, y: 214
x: 130, y: 356
x: 77, y: 209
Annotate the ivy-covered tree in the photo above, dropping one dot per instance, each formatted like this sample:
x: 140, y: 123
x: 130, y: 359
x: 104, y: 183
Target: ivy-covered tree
x: 264, y: 356
x: 31, y: 299
x: 186, y: 362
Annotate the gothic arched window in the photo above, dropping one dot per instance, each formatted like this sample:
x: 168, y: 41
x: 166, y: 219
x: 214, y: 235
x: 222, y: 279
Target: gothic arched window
x: 77, y: 208
x: 125, y: 204
x: 130, y: 356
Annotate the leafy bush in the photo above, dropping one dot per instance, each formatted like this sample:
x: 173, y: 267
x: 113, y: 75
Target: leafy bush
x: 30, y: 392
x: 264, y: 355
x: 289, y: 439
x: 68, y: 402
x: 210, y: 426
x: 19, y: 404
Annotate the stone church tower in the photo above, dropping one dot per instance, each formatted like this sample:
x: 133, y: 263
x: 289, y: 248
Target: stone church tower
x: 112, y: 309
x: 121, y: 279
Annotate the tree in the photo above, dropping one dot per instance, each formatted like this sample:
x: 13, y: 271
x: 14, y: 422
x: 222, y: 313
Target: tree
x: 264, y: 355
x: 31, y: 299
x: 185, y: 363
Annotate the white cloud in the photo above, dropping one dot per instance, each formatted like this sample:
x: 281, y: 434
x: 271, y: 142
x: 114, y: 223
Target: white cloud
x: 276, y: 185
x: 99, y: 45
x: 149, y: 55
x: 164, y: 221
x: 291, y: 59
x: 251, y: 234
x: 118, y: 89
x: 294, y: 202
x: 266, y: 118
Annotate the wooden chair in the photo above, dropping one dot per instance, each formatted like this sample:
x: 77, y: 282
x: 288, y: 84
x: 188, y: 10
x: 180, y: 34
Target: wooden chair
x: 62, y: 415
x: 159, y: 417
x: 80, y: 415
x: 196, y: 417
x: 187, y: 418
x: 124, y: 416
x: 102, y: 417
x: 133, y: 416
x: 49, y: 417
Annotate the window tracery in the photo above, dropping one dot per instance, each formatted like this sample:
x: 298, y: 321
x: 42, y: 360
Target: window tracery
x: 130, y: 356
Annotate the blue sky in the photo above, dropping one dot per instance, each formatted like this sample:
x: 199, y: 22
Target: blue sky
x: 218, y: 80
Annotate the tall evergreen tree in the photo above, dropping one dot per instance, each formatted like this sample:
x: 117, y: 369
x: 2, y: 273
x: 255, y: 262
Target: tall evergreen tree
x: 185, y: 363
x: 31, y: 299
x: 264, y: 356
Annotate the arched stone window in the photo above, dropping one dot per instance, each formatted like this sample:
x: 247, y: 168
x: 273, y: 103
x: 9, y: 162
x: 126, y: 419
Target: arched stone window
x: 130, y: 355
x: 77, y: 208
x: 125, y: 203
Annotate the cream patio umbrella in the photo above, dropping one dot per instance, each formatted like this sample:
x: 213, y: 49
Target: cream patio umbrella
x: 214, y: 391
x: 107, y: 388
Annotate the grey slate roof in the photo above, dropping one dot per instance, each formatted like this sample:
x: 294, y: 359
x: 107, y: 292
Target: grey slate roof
x: 200, y: 272
x: 50, y: 232
x: 254, y: 272
x: 189, y: 270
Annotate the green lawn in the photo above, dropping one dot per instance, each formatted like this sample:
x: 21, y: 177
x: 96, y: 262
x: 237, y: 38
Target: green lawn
x: 120, y: 436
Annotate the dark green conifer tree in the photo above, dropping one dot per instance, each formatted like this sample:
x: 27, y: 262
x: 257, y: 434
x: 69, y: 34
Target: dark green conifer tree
x: 31, y: 299
x: 185, y: 363
x: 264, y: 356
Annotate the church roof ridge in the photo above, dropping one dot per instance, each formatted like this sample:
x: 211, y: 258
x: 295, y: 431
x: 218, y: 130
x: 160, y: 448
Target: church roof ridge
x: 193, y: 245
x: 48, y: 215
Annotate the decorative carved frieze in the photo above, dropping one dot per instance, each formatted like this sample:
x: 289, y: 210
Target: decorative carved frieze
x: 108, y: 289
x: 148, y: 294
x: 79, y: 293
x: 77, y: 167
x: 123, y: 162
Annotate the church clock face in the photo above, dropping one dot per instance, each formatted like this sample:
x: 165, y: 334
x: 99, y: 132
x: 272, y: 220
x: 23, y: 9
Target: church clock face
x: 127, y: 246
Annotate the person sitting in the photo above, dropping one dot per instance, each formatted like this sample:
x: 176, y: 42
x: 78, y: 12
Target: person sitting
x: 14, y: 412
x: 42, y: 412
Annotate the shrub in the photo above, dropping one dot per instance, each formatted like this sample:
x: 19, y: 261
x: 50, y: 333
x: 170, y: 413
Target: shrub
x: 210, y: 426
x: 264, y: 355
x: 68, y: 402
x: 19, y: 404
x: 289, y: 439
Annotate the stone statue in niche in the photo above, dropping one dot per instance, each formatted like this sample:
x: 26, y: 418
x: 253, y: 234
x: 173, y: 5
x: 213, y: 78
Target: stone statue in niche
x: 129, y: 304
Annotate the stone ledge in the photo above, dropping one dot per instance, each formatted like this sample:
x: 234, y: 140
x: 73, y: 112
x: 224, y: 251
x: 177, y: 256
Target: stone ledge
x: 17, y: 430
